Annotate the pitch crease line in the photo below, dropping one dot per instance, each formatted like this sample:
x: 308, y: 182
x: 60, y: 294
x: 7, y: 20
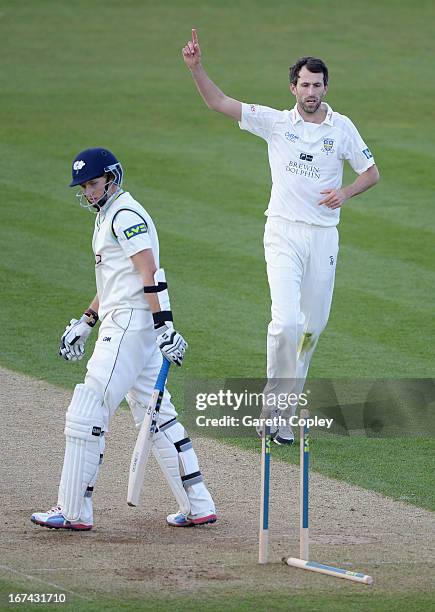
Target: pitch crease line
x: 52, y: 584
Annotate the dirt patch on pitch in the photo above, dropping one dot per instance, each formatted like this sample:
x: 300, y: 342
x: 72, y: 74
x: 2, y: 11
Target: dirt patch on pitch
x: 132, y: 552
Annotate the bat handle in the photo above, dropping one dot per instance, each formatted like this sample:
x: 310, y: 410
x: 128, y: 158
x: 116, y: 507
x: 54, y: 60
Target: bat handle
x: 163, y: 374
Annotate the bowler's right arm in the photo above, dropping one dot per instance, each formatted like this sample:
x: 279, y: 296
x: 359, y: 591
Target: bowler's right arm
x: 211, y: 94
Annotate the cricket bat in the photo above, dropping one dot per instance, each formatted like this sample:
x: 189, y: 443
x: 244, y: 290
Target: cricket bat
x: 142, y: 447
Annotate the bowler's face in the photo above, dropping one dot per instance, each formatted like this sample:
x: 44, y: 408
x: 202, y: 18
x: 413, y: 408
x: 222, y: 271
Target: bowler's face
x: 309, y: 90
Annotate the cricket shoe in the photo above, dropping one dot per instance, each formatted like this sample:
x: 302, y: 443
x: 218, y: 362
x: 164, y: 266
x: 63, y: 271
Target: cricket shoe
x: 284, y: 435
x: 54, y: 519
x: 190, y: 520
x: 274, y: 416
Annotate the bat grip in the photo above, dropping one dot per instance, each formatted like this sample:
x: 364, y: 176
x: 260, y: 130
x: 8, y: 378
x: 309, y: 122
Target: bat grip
x: 163, y: 374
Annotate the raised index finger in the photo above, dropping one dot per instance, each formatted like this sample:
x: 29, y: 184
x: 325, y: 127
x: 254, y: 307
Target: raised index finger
x: 194, y: 36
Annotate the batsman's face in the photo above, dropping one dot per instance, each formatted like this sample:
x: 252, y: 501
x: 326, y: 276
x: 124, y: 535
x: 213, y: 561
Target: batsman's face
x: 309, y: 90
x: 93, y: 190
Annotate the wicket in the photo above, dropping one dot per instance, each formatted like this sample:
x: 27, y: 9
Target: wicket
x: 304, y: 465
x: 263, y: 549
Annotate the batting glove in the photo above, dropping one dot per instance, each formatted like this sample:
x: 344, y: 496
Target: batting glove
x: 172, y: 345
x: 72, y: 343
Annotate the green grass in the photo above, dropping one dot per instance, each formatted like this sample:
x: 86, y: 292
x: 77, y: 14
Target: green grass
x: 399, y: 468
x: 205, y: 182
x: 234, y: 601
x: 79, y: 74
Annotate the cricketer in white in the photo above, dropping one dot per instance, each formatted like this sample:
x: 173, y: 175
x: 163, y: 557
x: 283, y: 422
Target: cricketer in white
x: 136, y: 332
x: 307, y: 148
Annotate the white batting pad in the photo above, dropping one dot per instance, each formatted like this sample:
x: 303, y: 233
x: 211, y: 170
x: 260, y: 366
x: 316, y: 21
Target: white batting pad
x: 84, y: 443
x: 166, y: 455
x: 174, y: 452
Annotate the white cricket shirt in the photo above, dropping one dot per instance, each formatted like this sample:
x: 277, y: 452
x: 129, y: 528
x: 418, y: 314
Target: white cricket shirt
x: 121, y: 231
x: 306, y: 158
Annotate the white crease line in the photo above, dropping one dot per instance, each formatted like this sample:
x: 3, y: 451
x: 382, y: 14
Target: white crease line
x: 52, y: 584
x: 77, y: 569
x: 402, y: 563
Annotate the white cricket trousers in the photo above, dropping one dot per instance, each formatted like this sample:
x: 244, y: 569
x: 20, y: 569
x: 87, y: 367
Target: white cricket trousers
x: 301, y: 260
x: 126, y: 362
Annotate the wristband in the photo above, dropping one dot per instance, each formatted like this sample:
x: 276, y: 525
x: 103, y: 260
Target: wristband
x: 161, y: 318
x: 90, y: 317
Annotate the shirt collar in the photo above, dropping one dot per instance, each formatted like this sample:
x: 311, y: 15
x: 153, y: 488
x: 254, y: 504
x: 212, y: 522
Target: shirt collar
x: 296, y: 117
x: 103, y: 210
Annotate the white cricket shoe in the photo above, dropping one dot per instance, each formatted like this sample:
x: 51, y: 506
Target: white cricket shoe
x: 190, y: 520
x: 284, y: 435
x: 54, y: 519
x: 269, y: 414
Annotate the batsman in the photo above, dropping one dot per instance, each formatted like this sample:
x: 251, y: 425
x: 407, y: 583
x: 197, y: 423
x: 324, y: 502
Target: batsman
x: 136, y: 333
x: 307, y: 147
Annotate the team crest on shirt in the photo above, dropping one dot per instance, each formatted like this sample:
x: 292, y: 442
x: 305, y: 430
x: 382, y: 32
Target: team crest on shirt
x: 328, y: 145
x: 291, y: 137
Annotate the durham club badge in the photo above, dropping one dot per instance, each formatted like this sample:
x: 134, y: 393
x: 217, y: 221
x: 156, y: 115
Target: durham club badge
x: 328, y: 145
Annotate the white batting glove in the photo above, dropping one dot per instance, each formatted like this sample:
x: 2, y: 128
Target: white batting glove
x: 172, y: 345
x: 72, y: 343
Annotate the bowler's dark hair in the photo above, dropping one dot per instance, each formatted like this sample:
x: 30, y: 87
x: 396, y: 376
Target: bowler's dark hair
x: 313, y: 64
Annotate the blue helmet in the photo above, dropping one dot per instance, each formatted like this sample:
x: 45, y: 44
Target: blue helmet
x: 93, y: 163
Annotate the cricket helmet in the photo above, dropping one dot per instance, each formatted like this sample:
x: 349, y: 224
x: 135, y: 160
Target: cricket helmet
x: 92, y: 163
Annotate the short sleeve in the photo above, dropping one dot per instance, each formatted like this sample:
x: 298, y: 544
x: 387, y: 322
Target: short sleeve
x: 356, y: 151
x: 131, y: 230
x: 258, y: 120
